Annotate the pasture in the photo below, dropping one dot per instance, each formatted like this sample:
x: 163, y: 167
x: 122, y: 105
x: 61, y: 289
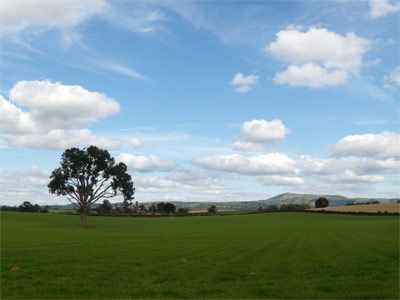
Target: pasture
x: 275, y: 255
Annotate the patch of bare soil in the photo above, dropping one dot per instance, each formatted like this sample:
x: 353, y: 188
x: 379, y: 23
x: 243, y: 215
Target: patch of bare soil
x: 15, y: 268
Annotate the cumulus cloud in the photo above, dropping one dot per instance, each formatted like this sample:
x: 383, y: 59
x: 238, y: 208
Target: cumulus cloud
x: 360, y: 165
x: 263, y: 164
x: 380, y: 146
x: 281, y: 180
x: 146, y: 163
x: 349, y: 177
x: 194, y: 181
x: 381, y: 8
x: 261, y: 131
x: 61, y: 106
x: 17, y: 186
x: 245, y: 146
x: 244, y: 83
x: 55, y: 112
x: 153, y: 184
x: 59, y: 139
x: 19, y: 15
x: 317, y: 57
x: 311, y: 75
x: 135, y: 143
x: 257, y: 132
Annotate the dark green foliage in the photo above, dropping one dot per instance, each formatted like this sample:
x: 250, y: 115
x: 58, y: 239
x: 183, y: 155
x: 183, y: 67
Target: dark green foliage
x: 169, y: 208
x: 212, y: 209
x: 8, y: 208
x: 285, y: 207
x: 105, y: 207
x: 87, y: 175
x: 166, y: 207
x: 272, y: 207
x: 126, y: 203
x: 26, y: 206
x: 183, y: 211
x: 321, y: 202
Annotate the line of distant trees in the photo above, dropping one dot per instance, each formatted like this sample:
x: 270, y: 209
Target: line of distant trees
x: 364, y: 203
x: 161, y: 207
x: 26, y: 206
x: 284, y: 207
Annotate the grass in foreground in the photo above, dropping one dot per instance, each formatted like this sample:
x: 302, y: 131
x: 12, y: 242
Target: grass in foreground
x: 280, y: 255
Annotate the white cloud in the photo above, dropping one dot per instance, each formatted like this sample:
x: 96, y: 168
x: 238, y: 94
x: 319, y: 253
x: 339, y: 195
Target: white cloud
x: 121, y: 70
x: 135, y: 143
x: 311, y: 75
x: 61, y: 106
x: 193, y: 181
x: 146, y: 163
x: 317, y: 53
x: 59, y: 139
x: 380, y: 146
x: 349, y: 177
x: 263, y: 164
x: 395, y: 75
x: 55, y: 112
x: 13, y: 119
x: 135, y: 16
x: 281, y: 180
x: 17, y: 186
x: 84, y: 138
x: 380, y: 8
x: 20, y: 15
x: 152, y: 184
x: 261, y: 131
x: 244, y: 83
x: 246, y: 146
x: 360, y: 165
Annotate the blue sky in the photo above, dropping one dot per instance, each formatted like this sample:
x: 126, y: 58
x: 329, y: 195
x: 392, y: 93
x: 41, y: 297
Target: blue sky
x: 203, y: 100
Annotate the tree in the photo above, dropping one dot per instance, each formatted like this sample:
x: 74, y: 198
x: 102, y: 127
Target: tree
x: 26, y: 206
x: 87, y: 175
x: 126, y: 204
x: 169, y: 208
x: 183, y: 211
x: 212, y: 209
x: 105, y: 208
x: 321, y: 202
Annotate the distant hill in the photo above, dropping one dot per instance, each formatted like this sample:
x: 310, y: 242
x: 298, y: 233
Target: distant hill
x: 286, y: 198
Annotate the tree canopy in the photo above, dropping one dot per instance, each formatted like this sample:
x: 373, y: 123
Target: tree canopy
x: 212, y: 209
x: 87, y: 175
x: 321, y: 202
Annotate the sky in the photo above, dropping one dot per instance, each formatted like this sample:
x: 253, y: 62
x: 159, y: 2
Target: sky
x: 203, y: 100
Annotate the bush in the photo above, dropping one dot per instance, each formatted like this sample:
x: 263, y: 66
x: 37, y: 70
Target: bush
x: 105, y: 207
x: 212, y: 209
x: 183, y: 211
x: 321, y: 202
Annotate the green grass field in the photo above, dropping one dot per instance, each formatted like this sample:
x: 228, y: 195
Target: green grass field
x: 291, y: 255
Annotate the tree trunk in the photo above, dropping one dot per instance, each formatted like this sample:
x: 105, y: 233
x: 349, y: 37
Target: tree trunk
x: 83, y: 219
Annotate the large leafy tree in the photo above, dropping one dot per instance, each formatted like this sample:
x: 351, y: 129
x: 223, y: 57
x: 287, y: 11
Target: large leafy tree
x: 87, y: 175
x: 321, y: 202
